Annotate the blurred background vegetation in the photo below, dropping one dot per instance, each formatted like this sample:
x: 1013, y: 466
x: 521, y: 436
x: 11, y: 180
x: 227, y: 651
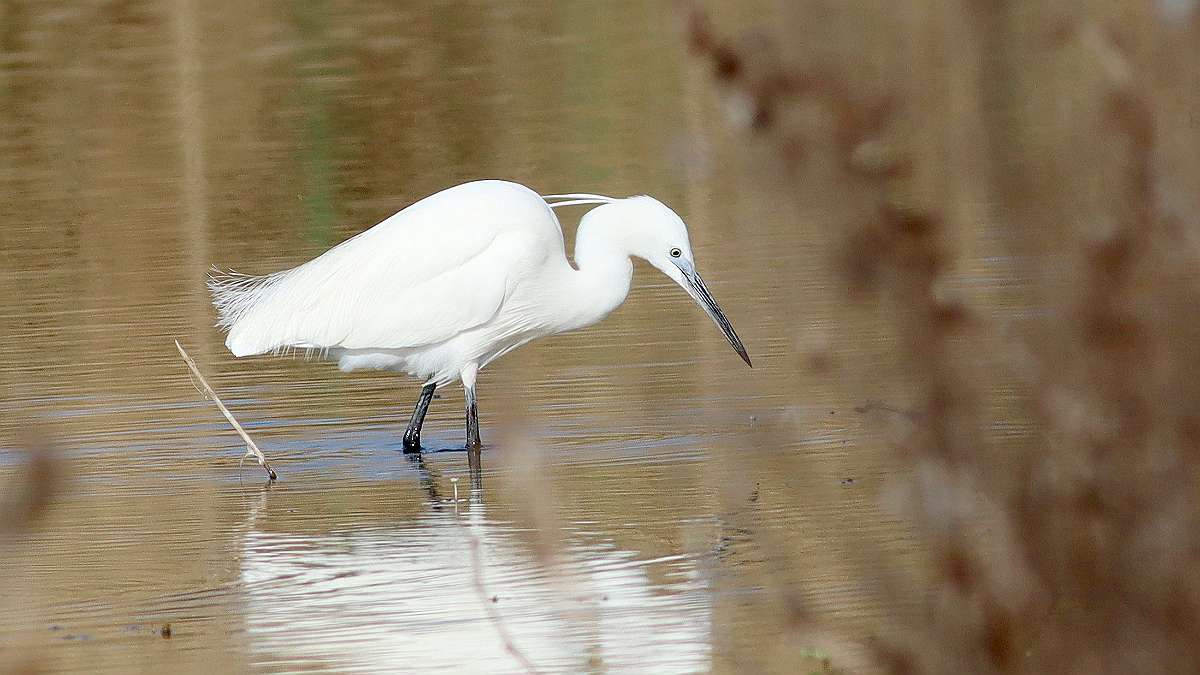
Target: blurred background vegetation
x: 1013, y: 190
x: 959, y: 238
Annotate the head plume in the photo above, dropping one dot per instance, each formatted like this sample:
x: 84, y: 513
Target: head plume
x: 576, y: 199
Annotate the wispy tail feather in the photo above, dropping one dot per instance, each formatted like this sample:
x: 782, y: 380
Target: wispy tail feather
x: 236, y: 296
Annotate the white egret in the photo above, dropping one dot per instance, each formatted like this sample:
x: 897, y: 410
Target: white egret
x: 447, y: 285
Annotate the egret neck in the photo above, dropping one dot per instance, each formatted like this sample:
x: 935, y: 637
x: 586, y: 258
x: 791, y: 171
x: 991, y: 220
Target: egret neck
x: 604, y: 271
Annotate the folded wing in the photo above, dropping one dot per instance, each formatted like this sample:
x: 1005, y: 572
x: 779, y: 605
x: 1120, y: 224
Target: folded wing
x: 439, y: 267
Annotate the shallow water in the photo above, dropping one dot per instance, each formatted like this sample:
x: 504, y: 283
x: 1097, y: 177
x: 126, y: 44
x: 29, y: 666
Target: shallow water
x: 640, y: 484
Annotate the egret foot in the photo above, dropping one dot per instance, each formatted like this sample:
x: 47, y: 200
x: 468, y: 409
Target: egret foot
x: 412, y: 435
x: 412, y: 442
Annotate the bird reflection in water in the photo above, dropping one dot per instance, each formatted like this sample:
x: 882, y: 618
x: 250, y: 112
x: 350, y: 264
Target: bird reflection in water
x: 431, y: 588
x: 430, y: 479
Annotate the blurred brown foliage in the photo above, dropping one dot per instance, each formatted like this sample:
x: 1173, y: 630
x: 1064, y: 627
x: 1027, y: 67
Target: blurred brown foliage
x: 1061, y: 136
x: 28, y: 494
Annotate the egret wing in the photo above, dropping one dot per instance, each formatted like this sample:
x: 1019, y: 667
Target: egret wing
x: 439, y: 267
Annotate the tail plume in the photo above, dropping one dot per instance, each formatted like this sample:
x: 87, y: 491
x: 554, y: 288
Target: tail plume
x: 235, y: 294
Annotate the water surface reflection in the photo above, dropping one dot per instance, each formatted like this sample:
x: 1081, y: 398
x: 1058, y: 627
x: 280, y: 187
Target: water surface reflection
x: 418, y: 593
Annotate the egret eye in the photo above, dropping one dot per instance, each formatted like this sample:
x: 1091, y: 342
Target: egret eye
x: 675, y: 253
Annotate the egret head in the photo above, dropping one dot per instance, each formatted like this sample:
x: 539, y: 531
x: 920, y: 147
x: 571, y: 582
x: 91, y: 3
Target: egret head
x: 658, y: 235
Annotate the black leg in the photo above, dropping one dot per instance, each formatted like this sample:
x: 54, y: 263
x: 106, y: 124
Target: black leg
x: 472, y: 420
x: 412, y: 435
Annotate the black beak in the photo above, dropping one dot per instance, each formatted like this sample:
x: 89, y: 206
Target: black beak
x: 699, y: 292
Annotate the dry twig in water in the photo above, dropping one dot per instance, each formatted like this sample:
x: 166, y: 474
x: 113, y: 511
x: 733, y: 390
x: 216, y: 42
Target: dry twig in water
x: 251, y: 448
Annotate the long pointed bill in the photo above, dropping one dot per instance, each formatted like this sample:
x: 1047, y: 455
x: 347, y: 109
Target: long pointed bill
x: 695, y: 287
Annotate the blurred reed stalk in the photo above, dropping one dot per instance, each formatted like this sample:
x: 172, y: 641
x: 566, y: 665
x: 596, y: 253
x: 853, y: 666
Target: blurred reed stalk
x: 489, y: 607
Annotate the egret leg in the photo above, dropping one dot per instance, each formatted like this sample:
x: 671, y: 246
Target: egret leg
x: 473, y: 442
x: 412, y: 435
x: 468, y: 379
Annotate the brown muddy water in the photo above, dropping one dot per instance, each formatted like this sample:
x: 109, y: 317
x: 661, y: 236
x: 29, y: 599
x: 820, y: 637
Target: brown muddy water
x: 642, y: 492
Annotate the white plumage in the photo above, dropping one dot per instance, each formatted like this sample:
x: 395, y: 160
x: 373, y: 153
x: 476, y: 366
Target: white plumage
x: 450, y: 283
